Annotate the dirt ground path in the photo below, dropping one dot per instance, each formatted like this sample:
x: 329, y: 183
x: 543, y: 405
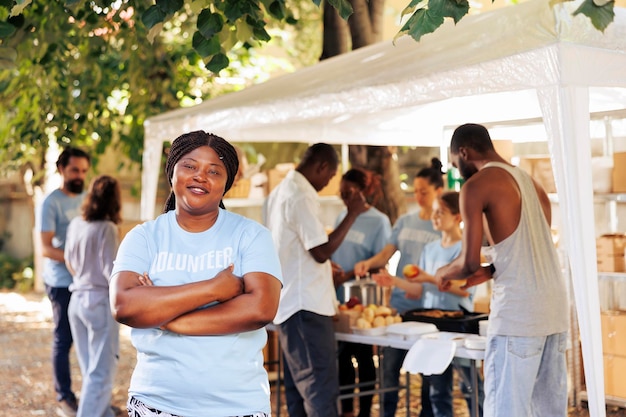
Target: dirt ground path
x: 26, y: 384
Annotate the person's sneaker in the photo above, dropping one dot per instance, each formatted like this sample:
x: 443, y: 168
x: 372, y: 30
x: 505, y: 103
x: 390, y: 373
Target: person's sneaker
x: 67, y: 408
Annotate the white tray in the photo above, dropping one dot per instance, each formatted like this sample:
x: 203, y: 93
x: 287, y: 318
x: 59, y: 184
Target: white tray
x: 475, y: 342
x: 457, y: 338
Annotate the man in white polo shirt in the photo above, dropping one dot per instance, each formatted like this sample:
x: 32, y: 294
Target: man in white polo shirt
x: 307, y: 300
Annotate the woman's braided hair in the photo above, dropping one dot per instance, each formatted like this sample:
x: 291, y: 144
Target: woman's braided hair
x: 186, y: 143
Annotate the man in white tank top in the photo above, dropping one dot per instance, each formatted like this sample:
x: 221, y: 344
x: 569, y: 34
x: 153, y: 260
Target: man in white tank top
x: 525, y: 366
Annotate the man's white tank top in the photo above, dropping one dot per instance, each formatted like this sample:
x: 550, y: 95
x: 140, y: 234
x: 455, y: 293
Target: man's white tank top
x: 529, y: 296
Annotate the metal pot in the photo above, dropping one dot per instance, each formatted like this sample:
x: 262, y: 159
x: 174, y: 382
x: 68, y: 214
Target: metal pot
x: 365, y: 290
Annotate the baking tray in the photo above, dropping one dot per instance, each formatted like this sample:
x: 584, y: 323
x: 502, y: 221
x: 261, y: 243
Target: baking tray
x: 468, y: 323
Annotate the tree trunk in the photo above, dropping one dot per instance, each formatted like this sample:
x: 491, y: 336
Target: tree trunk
x: 365, y: 28
x: 360, y: 24
x: 377, y: 8
x: 336, y: 34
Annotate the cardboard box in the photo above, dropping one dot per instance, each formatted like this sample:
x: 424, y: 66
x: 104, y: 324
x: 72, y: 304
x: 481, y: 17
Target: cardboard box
x: 614, y: 371
x: 239, y: 190
x: 332, y: 188
x: 611, y: 245
x: 610, y: 263
x: 276, y: 174
x: 345, y: 320
x: 619, y: 172
x: 504, y: 148
x: 613, y: 333
x: 540, y: 168
x: 481, y: 305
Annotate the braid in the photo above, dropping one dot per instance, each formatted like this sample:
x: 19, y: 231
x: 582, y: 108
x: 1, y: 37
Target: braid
x: 186, y: 143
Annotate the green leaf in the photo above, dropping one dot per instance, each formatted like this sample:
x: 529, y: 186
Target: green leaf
x: 601, y: 16
x: 205, y: 47
x: 153, y: 16
x: 421, y: 23
x: 236, y: 9
x: 261, y: 34
x: 277, y: 9
x: 169, y: 6
x: 217, y: 63
x: 449, y: 8
x: 6, y: 29
x: 343, y: 7
x: 209, y: 23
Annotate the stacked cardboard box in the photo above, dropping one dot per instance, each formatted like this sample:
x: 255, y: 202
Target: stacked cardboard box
x: 610, y: 252
x: 276, y: 174
x: 614, y: 353
x: 239, y: 190
x: 619, y: 172
x: 540, y: 168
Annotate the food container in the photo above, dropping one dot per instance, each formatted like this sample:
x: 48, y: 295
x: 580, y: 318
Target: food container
x: 483, y: 327
x: 410, y: 330
x: 365, y: 290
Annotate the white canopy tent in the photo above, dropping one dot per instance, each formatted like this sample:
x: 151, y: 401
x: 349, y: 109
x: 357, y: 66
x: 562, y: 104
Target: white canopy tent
x: 523, y: 62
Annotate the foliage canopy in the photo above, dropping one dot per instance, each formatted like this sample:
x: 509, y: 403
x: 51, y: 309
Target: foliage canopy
x: 90, y: 72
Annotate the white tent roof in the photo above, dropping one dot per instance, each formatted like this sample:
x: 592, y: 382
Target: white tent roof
x: 370, y: 95
x: 521, y: 62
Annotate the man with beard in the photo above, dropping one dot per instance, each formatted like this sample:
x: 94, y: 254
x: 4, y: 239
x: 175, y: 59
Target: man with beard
x: 57, y: 209
x: 525, y: 366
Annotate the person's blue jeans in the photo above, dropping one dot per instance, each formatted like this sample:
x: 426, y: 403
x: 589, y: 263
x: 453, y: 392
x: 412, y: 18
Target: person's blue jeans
x: 526, y: 376
x: 310, y: 358
x: 61, y: 343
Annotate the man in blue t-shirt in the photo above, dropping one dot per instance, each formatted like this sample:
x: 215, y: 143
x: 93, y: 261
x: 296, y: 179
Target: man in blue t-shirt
x: 57, y: 209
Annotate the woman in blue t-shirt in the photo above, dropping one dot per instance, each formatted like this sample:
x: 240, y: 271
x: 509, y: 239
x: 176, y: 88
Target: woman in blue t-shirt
x: 446, y: 218
x: 197, y: 285
x: 367, y: 236
x: 410, y: 234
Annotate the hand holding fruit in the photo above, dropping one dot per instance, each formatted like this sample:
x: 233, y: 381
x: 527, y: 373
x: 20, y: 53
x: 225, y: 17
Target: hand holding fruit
x: 410, y: 271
